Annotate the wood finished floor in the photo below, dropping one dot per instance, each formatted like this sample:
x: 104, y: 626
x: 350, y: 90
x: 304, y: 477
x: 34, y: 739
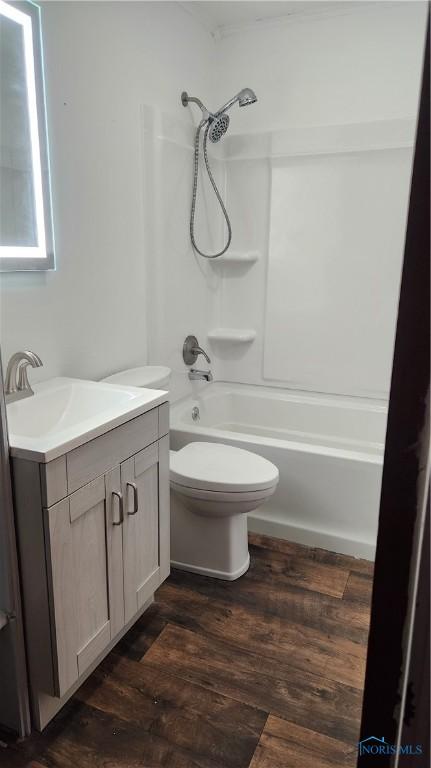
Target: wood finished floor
x: 264, y: 672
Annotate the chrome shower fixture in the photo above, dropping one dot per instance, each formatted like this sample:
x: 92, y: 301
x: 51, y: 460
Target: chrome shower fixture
x: 216, y: 125
x: 244, y: 98
x: 219, y: 120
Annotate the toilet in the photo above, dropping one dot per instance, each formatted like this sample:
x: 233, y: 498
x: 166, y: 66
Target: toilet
x: 213, y: 486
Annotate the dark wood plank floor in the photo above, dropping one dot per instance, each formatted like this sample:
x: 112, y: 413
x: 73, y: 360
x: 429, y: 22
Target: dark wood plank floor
x: 264, y: 672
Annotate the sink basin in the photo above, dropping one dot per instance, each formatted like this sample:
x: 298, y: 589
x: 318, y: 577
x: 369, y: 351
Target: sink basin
x: 64, y: 413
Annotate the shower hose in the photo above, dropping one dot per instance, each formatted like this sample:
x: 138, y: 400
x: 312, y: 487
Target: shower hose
x: 195, y: 190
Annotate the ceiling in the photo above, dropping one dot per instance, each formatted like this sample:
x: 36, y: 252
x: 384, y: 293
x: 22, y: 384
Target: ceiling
x: 218, y: 15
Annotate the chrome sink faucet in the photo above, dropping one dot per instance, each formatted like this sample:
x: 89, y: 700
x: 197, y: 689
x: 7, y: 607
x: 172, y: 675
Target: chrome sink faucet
x: 17, y: 385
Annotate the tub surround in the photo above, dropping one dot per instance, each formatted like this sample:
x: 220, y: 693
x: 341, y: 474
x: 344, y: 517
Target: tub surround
x: 313, y: 282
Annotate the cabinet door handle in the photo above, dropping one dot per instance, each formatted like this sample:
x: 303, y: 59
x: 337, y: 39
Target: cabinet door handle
x: 135, y: 498
x: 121, y: 507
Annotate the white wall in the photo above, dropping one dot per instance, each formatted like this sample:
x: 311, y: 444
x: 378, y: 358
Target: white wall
x: 127, y: 286
x: 103, y: 60
x: 345, y: 66
x: 358, y: 71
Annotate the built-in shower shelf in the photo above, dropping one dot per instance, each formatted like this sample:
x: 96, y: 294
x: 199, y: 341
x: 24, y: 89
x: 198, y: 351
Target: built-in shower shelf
x: 237, y: 257
x: 233, y: 335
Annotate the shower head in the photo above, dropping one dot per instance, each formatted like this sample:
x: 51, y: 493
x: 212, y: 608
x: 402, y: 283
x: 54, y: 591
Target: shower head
x: 218, y: 127
x: 219, y: 121
x: 246, y: 96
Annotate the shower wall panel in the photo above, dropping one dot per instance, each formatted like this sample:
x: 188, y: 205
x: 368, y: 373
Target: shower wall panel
x: 336, y: 242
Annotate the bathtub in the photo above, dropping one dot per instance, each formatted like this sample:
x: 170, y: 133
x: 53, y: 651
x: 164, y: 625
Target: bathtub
x: 328, y: 449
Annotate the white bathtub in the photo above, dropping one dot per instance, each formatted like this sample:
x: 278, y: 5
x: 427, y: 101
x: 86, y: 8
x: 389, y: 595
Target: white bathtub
x: 329, y: 451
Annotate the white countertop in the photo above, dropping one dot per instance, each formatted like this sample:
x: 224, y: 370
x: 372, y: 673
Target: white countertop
x: 65, y: 413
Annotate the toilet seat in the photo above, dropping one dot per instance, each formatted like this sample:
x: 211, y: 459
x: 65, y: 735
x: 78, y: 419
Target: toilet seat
x: 204, y: 494
x: 220, y: 470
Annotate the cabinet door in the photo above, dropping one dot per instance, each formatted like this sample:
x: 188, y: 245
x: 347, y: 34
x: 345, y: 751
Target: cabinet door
x: 85, y: 574
x: 146, y: 525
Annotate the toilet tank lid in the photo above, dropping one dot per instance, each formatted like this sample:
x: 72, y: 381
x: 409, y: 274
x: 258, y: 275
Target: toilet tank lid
x: 151, y: 376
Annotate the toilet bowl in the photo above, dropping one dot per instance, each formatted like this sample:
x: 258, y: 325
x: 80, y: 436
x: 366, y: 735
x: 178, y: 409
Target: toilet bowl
x: 213, y: 486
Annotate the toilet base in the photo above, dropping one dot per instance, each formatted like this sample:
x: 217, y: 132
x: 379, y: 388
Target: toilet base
x: 211, y: 546
x: 213, y: 574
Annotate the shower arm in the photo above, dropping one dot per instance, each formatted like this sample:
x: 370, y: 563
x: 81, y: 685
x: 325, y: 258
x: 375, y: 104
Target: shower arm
x: 209, y: 116
x: 206, y: 114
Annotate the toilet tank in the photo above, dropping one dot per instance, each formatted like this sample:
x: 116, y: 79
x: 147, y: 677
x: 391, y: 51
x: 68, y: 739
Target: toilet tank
x: 149, y: 376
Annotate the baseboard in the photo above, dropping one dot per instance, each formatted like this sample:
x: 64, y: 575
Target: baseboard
x: 312, y: 538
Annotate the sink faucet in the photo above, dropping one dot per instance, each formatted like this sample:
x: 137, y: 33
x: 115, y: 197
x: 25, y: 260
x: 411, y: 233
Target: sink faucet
x: 17, y: 385
x: 195, y: 374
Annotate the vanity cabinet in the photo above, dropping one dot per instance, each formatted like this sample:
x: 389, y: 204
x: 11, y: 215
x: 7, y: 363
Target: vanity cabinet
x: 84, y: 578
x: 91, y: 556
x: 139, y: 478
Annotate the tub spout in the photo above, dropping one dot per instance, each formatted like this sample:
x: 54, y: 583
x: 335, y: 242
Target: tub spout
x: 195, y: 375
